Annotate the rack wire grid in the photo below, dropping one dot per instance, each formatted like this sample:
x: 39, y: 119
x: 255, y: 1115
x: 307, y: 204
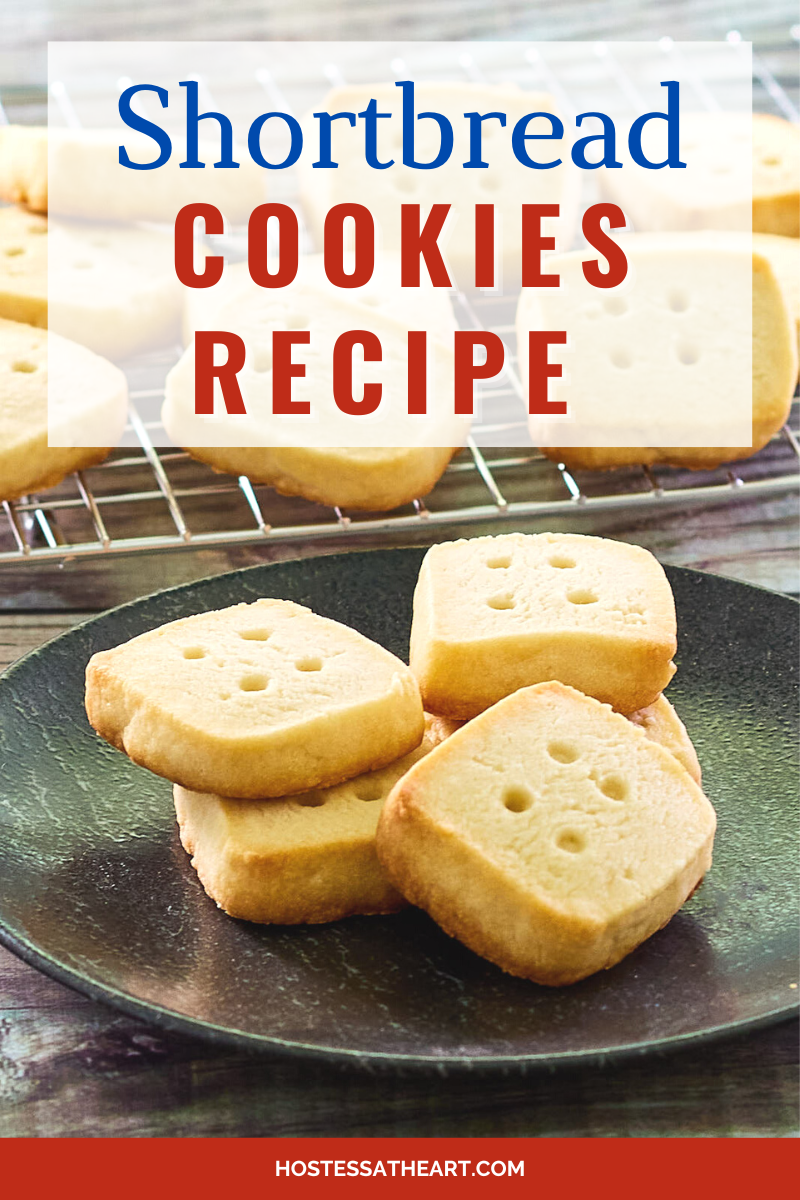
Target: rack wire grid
x: 143, y: 499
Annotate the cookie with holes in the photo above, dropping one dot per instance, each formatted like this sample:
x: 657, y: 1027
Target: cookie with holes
x: 659, y: 721
x: 88, y: 400
x: 549, y: 835
x: 493, y: 614
x: 23, y: 266
x: 110, y: 287
x: 255, y: 701
x: 300, y: 860
x: 741, y: 172
x: 692, y: 361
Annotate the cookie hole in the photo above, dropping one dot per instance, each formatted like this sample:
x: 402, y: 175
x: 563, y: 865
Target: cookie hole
x: 501, y: 602
x: 615, y: 787
x: 310, y: 800
x: 369, y: 791
x: 309, y: 664
x: 13, y: 251
x: 621, y: 359
x: 501, y: 560
x: 615, y: 306
x: 771, y: 160
x: 571, y: 841
x: 562, y: 562
x: 255, y: 635
x: 253, y: 683
x: 563, y: 752
x: 678, y: 300
x: 687, y: 354
x: 582, y: 596
x: 194, y: 652
x: 517, y: 799
x: 224, y: 695
x: 23, y: 367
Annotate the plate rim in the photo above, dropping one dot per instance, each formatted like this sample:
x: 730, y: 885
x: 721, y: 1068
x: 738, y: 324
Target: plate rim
x: 219, y: 1035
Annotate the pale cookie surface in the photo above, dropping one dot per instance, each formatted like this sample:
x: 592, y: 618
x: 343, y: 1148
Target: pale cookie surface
x: 776, y: 176
x: 88, y: 399
x: 504, y: 182
x: 301, y: 860
x: 658, y: 721
x: 375, y: 463
x: 23, y: 267
x: 493, y: 614
x: 113, y: 288
x: 85, y: 178
x: 681, y: 332
x: 254, y: 701
x: 783, y: 254
x: 23, y: 165
x: 549, y: 835
x: 237, y: 298
x: 739, y: 175
x: 661, y: 724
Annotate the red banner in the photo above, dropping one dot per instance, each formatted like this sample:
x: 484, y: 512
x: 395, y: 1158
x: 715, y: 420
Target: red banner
x: 603, y: 1169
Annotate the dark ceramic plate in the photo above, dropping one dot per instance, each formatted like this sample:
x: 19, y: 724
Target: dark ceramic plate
x: 96, y: 890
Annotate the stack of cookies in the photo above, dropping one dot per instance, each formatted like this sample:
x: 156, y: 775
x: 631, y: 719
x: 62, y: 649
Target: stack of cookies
x: 282, y: 733
x: 546, y: 808
x: 549, y: 833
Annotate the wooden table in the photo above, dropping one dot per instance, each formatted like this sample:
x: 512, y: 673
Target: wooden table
x: 71, y: 1067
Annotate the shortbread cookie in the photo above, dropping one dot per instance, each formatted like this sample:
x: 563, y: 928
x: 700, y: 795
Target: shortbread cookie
x: 23, y: 165
x: 114, y: 287
x: 549, y: 835
x: 255, y: 701
x: 737, y: 176
x: 776, y: 176
x: 88, y: 400
x: 658, y: 721
x: 376, y: 463
x: 237, y: 296
x: 302, y: 860
x: 494, y: 614
x: 23, y: 266
x: 784, y: 258
x: 85, y: 178
x: 682, y: 337
x: 661, y: 724
x: 505, y: 182
x: 370, y: 480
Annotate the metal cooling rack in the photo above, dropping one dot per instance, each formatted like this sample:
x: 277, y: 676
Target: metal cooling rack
x: 147, y: 499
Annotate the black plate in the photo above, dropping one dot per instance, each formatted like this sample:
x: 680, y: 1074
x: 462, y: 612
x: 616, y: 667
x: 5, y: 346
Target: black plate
x: 96, y: 890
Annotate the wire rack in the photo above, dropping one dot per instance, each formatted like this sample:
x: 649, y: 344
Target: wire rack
x: 144, y: 499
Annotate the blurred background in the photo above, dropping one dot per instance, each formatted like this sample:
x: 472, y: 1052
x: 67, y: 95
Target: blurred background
x: 27, y: 26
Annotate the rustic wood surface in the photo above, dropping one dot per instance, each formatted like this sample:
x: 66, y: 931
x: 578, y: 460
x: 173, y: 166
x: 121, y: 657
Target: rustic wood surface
x: 71, y: 1067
